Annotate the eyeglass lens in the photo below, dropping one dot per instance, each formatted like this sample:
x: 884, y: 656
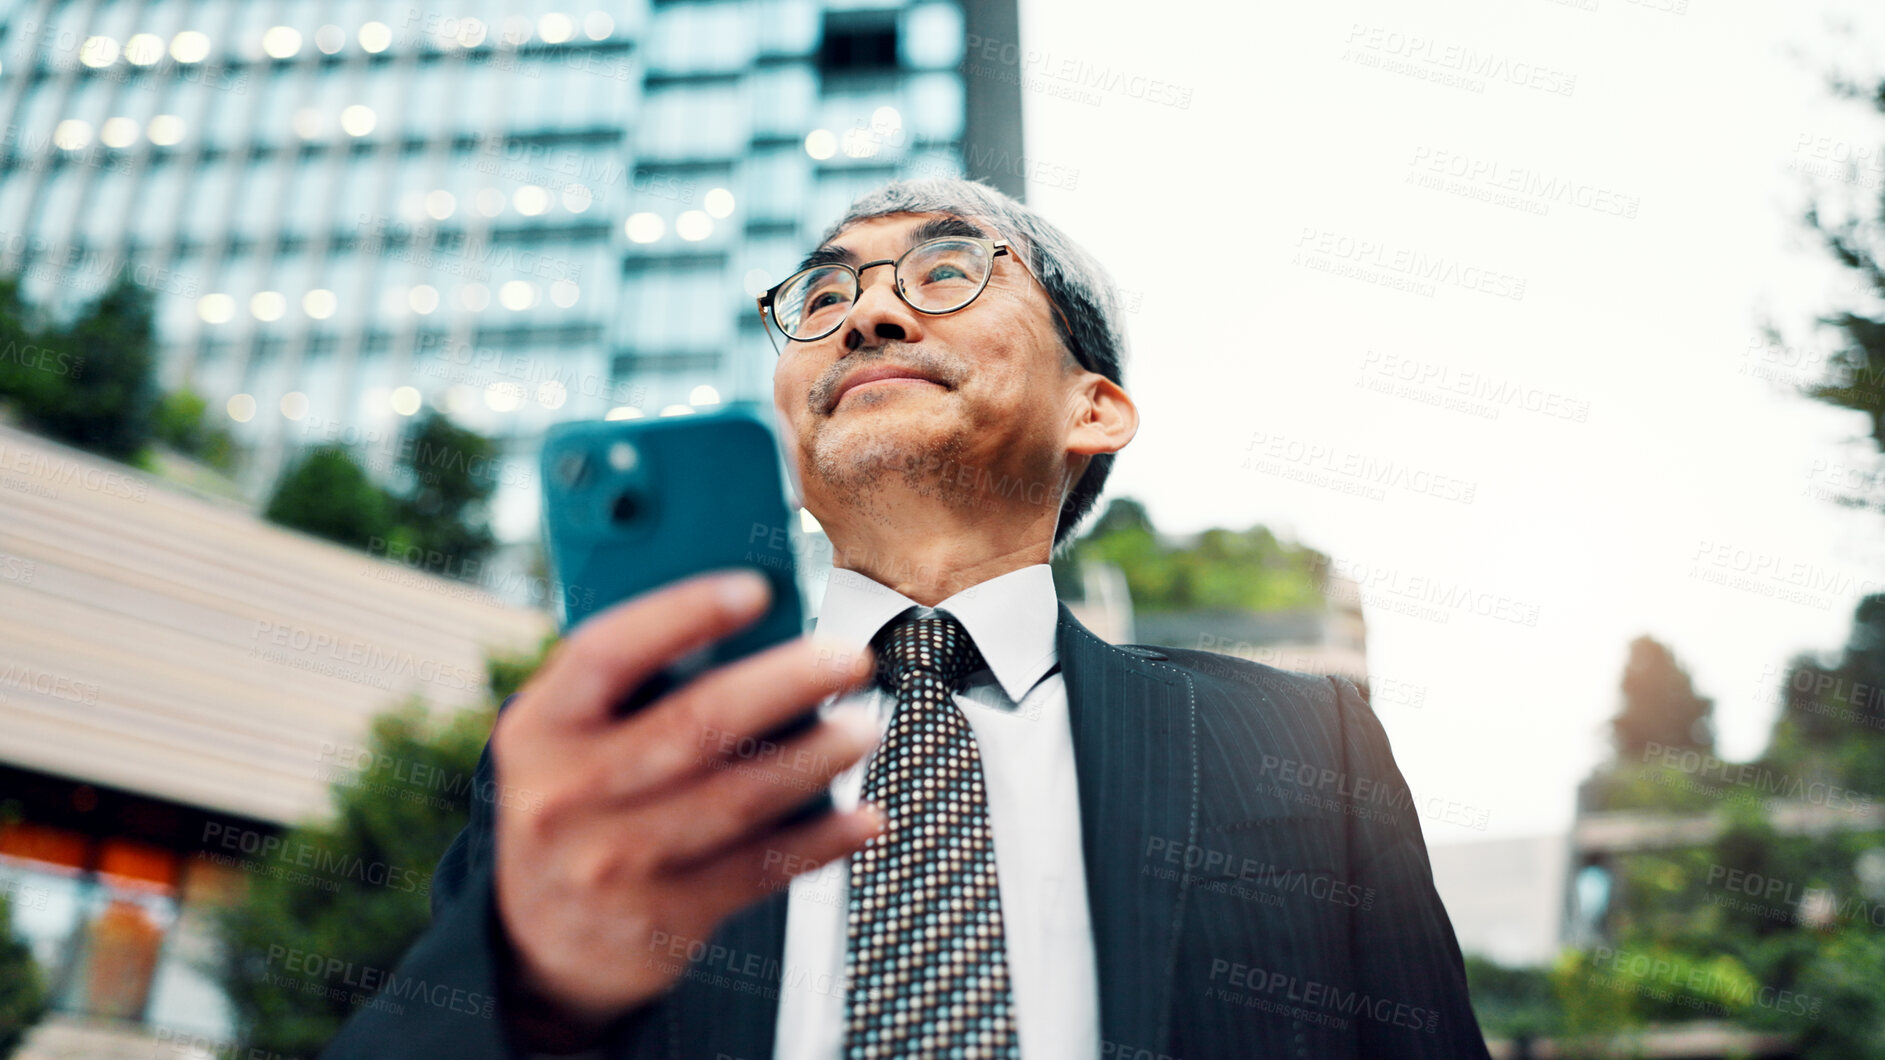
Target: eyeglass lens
x: 937, y: 277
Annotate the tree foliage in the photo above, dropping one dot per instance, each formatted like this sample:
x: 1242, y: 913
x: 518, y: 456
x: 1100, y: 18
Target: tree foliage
x: 183, y: 423
x: 89, y: 383
x: 361, y: 887
x: 1832, y: 718
x: 1762, y: 927
x: 22, y: 985
x: 370, y: 865
x: 329, y: 495
x: 1220, y: 570
x: 450, y: 474
x: 437, y: 504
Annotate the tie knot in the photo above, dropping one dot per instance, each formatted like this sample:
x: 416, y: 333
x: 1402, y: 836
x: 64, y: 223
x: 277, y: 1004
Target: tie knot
x: 936, y: 647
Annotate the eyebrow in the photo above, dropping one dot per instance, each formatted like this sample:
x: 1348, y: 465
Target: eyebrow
x: 934, y: 228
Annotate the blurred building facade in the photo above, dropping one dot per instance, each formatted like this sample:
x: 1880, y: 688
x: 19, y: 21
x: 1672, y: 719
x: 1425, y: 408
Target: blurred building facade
x: 518, y: 212
x: 179, y: 681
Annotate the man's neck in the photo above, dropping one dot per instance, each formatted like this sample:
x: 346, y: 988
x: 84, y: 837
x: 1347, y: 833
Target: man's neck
x: 941, y: 561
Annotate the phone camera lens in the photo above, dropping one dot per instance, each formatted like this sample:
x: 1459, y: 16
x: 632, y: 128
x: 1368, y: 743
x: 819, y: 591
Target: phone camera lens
x: 572, y: 469
x: 627, y: 506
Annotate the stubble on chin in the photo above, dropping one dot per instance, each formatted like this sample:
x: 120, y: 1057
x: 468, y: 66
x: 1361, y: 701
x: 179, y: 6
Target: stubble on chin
x: 855, y: 469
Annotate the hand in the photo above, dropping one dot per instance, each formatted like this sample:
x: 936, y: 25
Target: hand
x: 655, y: 827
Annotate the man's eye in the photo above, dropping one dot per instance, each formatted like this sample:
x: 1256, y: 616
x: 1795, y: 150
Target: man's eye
x: 945, y: 274
x: 823, y: 300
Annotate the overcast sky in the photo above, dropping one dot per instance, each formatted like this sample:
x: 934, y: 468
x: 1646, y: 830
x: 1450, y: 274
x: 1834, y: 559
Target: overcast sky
x: 1469, y: 296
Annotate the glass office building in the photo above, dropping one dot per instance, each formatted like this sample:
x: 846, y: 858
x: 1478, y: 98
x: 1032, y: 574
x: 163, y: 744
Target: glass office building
x: 348, y: 212
x: 515, y: 212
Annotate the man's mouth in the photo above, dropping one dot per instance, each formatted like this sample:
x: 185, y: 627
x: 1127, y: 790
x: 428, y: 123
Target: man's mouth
x: 881, y: 376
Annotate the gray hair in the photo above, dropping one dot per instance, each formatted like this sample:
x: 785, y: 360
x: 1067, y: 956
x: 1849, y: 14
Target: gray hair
x: 1075, y: 282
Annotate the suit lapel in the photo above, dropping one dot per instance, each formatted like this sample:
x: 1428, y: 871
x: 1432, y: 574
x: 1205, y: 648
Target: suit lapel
x: 1136, y: 758
x: 734, y: 1013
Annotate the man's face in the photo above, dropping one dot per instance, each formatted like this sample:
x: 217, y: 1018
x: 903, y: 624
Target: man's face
x: 898, y: 392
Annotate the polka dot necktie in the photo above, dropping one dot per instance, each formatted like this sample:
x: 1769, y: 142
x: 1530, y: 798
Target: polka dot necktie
x: 927, y: 963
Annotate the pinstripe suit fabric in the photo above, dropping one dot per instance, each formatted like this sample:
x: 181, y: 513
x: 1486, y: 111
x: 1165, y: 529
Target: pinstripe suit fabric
x: 1256, y: 875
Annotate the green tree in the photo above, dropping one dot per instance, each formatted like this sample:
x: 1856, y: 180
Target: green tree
x: 1857, y: 377
x: 328, y: 495
x: 440, y: 504
x: 450, y: 474
x: 19, y: 362
x: 1513, y: 1002
x: 507, y: 673
x: 89, y: 383
x: 371, y: 861
x: 183, y: 423
x: 105, y: 397
x: 1832, y: 718
x: 22, y: 985
x: 1219, y: 570
x: 365, y: 892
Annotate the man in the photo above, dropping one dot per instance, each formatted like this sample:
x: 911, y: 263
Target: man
x: 1062, y: 848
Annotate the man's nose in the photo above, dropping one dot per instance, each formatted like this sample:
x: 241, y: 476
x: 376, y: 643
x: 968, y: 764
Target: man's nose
x: 878, y: 315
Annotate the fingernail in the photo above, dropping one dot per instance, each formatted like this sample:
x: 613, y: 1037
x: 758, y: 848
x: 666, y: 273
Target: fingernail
x: 743, y: 591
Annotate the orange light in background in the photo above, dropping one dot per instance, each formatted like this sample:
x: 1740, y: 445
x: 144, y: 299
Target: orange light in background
x: 38, y: 842
x: 139, y: 865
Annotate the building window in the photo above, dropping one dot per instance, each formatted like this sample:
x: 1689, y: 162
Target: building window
x: 859, y: 43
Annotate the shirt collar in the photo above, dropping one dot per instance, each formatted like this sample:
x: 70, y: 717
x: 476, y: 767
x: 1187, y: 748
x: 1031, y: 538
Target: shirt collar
x: 1012, y: 618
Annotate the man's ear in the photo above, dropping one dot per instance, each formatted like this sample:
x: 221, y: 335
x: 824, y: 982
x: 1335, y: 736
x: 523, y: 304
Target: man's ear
x: 1104, y: 418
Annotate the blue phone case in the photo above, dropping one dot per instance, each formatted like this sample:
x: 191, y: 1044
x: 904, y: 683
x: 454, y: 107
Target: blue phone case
x: 631, y: 505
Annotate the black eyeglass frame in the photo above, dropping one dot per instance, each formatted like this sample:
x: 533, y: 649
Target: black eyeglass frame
x: 995, y: 248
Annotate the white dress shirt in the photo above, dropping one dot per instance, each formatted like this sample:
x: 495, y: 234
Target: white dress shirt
x: 1017, y: 709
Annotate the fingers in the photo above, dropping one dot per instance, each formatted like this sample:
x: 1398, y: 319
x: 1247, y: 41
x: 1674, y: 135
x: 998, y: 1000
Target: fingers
x: 609, y: 655
x: 738, y: 877
x: 747, y: 792
x: 724, y: 713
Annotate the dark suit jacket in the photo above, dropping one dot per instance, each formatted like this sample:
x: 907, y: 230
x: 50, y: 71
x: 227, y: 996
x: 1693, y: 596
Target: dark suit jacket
x: 1255, y: 872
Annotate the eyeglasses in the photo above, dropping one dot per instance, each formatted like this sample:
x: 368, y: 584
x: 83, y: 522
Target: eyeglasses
x: 937, y: 277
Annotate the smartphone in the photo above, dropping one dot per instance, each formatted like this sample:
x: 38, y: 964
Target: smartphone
x: 631, y: 505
